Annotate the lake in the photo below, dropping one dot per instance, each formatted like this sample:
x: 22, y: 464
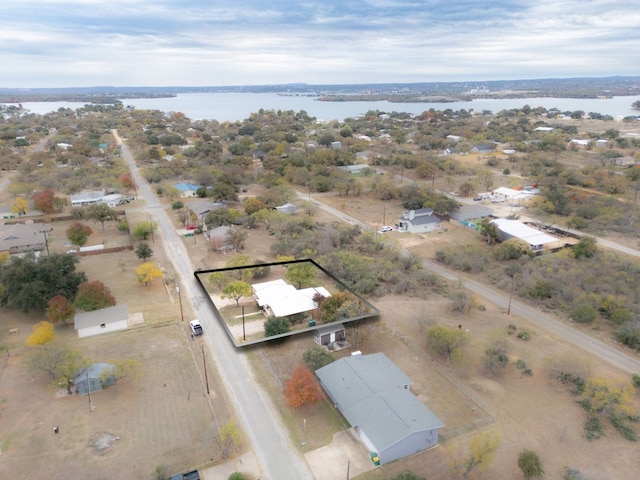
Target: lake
x: 239, y: 106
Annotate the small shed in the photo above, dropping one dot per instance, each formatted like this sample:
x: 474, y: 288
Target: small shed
x: 94, y: 378
x: 105, y: 320
x: 329, y: 334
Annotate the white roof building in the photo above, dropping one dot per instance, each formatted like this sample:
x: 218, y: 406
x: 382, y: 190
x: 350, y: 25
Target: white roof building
x: 280, y: 299
x: 515, y: 229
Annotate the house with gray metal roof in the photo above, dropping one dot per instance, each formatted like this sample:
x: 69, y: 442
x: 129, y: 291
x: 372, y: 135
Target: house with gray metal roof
x: 105, y: 320
x: 375, y: 397
x: 422, y: 220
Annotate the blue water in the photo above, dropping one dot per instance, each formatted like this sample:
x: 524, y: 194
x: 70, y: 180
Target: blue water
x: 239, y: 106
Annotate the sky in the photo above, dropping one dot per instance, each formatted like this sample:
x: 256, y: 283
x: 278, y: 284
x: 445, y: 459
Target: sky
x: 82, y: 43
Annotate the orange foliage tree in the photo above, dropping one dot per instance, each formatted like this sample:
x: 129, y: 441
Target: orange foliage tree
x: 302, y: 388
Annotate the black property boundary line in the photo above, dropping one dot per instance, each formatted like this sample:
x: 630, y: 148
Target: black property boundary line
x: 340, y: 283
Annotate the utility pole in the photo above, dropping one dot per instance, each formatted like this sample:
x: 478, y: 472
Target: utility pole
x: 204, y: 362
x: 46, y: 239
x: 180, y: 300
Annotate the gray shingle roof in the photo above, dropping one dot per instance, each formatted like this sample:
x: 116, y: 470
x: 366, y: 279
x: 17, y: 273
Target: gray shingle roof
x: 372, y: 393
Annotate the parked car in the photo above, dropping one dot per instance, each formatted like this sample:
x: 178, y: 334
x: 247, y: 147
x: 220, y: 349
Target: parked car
x: 477, y: 199
x: 386, y: 229
x: 196, y: 328
x: 454, y: 194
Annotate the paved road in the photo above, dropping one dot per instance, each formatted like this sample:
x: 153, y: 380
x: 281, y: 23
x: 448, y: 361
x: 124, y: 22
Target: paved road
x: 278, y: 458
x: 601, y: 350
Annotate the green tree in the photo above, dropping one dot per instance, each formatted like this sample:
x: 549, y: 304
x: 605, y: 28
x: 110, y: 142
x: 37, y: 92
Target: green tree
x: 93, y: 295
x: 123, y: 225
x: 126, y: 369
x: 143, y: 230
x: 489, y: 230
x: 230, y: 438
x: 144, y: 251
x: 276, y: 326
x: 443, y: 340
x: 101, y: 212
x: 219, y: 279
x: 29, y: 284
x: 236, y: 290
x: 60, y: 309
x: 301, y: 274
x: 237, y: 476
x: 237, y: 262
x: 78, y: 233
x: 220, y: 217
x: 586, y: 247
x: 237, y: 236
x: 316, y: 357
x: 60, y: 364
x: 530, y: 464
x: 512, y: 249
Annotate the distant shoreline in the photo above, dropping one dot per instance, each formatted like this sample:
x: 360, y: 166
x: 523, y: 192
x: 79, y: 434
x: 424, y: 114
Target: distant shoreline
x: 427, y: 92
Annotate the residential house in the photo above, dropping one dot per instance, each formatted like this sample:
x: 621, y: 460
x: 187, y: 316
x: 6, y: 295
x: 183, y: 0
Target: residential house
x: 23, y: 237
x: 374, y: 396
x: 482, y: 148
x: 187, y: 190
x: 108, y: 319
x: 422, y: 220
x: 279, y: 299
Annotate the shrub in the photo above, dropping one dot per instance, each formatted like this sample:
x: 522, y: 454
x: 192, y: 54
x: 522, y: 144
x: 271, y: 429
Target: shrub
x: 593, y: 428
x: 524, y: 335
x: 636, y: 379
x: 629, y: 334
x: 237, y: 476
x: 619, y: 422
x: 276, y: 326
x: 584, y: 314
x: 177, y: 205
x: 572, y: 474
x: 316, y: 357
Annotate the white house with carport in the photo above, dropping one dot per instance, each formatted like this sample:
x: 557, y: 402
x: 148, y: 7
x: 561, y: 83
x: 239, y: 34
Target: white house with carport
x: 514, y: 229
x: 422, y: 220
x: 108, y: 319
x: 374, y: 396
x: 279, y: 299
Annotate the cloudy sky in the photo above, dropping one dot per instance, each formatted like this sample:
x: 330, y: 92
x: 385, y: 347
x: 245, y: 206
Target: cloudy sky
x: 67, y: 43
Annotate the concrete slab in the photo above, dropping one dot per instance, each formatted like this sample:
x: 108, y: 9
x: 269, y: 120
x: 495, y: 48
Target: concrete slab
x: 245, y: 463
x: 344, y: 452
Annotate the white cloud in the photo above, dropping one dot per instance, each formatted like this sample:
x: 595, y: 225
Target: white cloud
x: 174, y: 42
